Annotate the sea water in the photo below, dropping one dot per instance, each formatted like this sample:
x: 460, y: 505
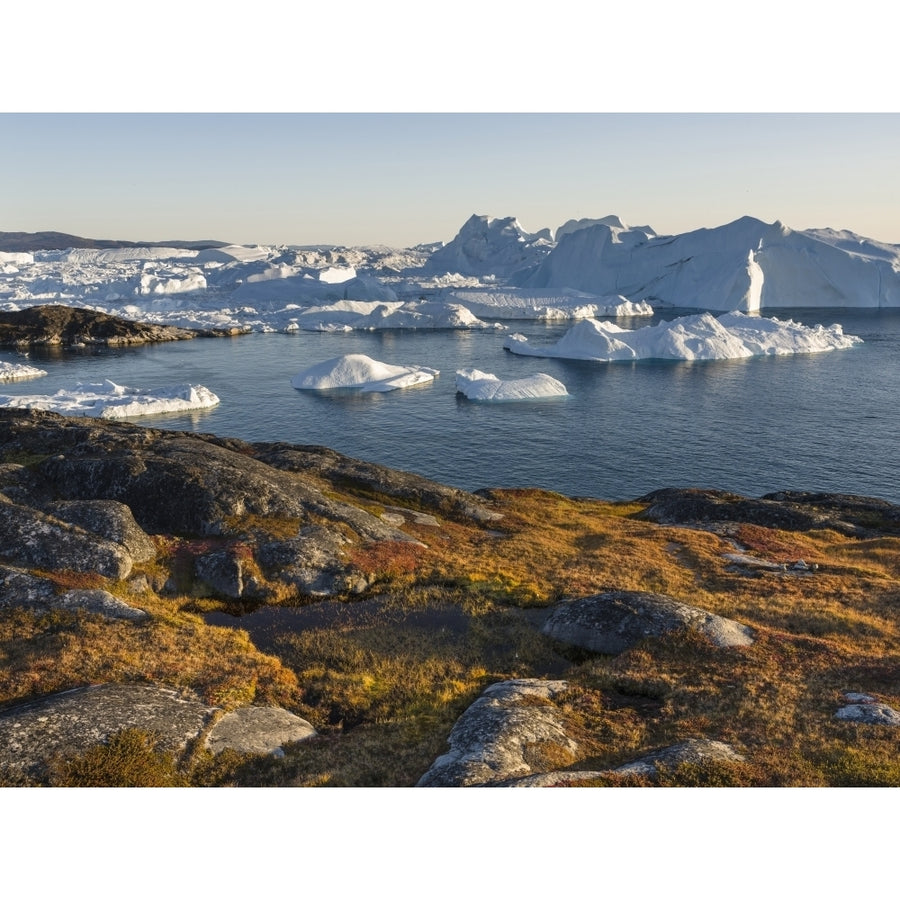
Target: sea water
x: 819, y: 422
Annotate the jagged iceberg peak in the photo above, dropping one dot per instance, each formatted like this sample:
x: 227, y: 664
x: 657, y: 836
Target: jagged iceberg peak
x: 746, y: 265
x: 489, y: 246
x: 614, y: 223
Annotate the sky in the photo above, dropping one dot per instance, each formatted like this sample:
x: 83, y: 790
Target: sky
x: 406, y: 178
x: 392, y: 124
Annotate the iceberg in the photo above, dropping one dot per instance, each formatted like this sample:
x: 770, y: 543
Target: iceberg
x: 546, y: 305
x: 733, y: 335
x: 108, y: 400
x: 18, y: 371
x: 477, y: 385
x: 491, y: 272
x: 746, y: 265
x: 360, y: 315
x: 356, y: 370
x: 486, y: 245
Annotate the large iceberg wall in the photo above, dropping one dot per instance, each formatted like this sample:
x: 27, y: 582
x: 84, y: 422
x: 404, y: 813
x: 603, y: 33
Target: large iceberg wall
x: 746, y: 265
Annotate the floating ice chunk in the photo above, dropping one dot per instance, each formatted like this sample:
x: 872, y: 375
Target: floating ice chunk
x: 108, y: 400
x: 731, y: 336
x: 18, y: 371
x: 355, y: 370
x: 477, y: 385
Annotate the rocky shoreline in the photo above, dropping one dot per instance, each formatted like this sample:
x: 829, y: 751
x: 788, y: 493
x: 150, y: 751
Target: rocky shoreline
x: 115, y: 539
x: 65, y: 326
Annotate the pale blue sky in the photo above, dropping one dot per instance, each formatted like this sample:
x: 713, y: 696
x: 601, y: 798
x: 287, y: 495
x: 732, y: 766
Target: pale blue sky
x: 402, y: 179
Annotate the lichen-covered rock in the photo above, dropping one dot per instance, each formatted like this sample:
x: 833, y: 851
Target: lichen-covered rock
x: 696, y: 751
x: 223, y: 573
x: 70, y: 722
x: 31, y: 538
x: 173, y: 482
x: 99, y: 602
x: 314, y: 563
x: 513, y: 729
x: 869, y: 713
x: 613, y: 621
x: 258, y: 729
x: 345, y: 471
x: 40, y: 595
x: 21, y: 588
x: 19, y: 484
x: 786, y: 510
x: 108, y: 518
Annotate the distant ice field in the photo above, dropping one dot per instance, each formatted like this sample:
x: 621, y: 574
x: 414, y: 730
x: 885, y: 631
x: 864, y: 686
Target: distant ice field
x: 824, y: 421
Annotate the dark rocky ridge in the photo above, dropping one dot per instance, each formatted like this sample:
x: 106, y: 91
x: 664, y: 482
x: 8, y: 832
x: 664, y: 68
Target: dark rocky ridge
x: 789, y: 510
x: 84, y: 495
x: 64, y: 326
x: 28, y: 242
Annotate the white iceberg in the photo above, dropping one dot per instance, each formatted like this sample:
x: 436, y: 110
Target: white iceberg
x: 356, y: 370
x: 18, y: 371
x: 360, y: 315
x: 747, y: 265
x: 477, y: 385
x: 731, y: 336
x: 546, y: 305
x: 108, y: 400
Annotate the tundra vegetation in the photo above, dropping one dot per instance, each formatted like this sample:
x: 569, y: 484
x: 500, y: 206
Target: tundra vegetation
x: 384, y: 664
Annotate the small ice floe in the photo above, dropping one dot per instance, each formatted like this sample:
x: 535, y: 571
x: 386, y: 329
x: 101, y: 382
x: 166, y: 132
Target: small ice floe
x: 18, y: 371
x: 477, y: 385
x: 699, y: 337
x: 108, y: 400
x: 355, y: 370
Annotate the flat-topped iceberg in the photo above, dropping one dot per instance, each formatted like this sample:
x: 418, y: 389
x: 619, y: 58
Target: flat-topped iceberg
x: 477, y: 385
x: 730, y: 336
x: 360, y: 315
x: 18, y: 371
x: 546, y: 305
x: 356, y: 370
x: 108, y: 400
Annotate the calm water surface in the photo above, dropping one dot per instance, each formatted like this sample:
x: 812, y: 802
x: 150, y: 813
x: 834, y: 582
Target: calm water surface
x: 825, y: 421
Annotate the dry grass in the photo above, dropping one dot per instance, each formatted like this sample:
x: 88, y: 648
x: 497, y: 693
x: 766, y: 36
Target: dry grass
x: 386, y: 685
x: 43, y: 654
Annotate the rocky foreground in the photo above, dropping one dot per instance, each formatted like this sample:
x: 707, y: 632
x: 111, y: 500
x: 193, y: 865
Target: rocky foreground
x: 183, y: 609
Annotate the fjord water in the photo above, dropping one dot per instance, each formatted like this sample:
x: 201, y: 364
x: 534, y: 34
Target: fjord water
x: 819, y: 422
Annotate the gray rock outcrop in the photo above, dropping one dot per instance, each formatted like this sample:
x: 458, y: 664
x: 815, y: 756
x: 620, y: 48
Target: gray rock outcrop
x: 40, y: 595
x: 262, y: 730
x: 99, y: 602
x: 88, y: 494
x: 696, y: 751
x: 866, y: 710
x: 108, y: 518
x: 505, y: 733
x: 613, y: 621
x: 71, y: 722
x: 787, y: 510
x: 31, y: 538
x: 344, y: 471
